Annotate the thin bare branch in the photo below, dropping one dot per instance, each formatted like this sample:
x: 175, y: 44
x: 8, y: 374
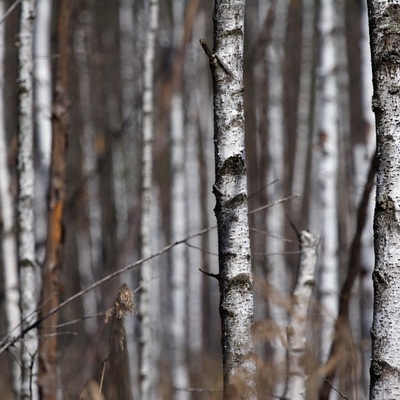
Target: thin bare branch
x: 9, y: 11
x: 8, y: 342
x: 274, y: 203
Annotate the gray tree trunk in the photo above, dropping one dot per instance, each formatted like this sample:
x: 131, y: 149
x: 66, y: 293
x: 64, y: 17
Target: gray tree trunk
x: 384, y: 19
x: 230, y: 189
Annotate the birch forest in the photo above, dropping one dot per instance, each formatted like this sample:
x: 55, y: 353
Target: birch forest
x: 114, y: 177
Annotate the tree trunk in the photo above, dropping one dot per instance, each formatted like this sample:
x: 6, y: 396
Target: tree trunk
x: 48, y: 375
x: 297, y: 326
x: 88, y: 237
x: 275, y: 216
x: 25, y: 215
x: 42, y: 91
x: 147, y: 366
x: 384, y: 18
x: 231, y: 210
x: 8, y: 250
x: 323, y: 204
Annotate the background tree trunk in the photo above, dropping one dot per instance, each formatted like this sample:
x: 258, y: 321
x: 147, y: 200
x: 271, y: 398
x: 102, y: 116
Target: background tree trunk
x: 297, y: 326
x: 147, y: 381
x: 51, y: 275
x: 8, y: 240
x: 28, y: 269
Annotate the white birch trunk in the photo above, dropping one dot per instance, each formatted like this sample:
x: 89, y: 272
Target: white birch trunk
x: 384, y: 19
x: 28, y: 273
x: 193, y: 212
x: 146, y: 334
x: 179, y: 260
x: 42, y: 115
x: 275, y: 245
x: 297, y: 326
x: 42, y: 80
x: 178, y: 254
x: 323, y: 211
x: 231, y: 210
x: 8, y: 241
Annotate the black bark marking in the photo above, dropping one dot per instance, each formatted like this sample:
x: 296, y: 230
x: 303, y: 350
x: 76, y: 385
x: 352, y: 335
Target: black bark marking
x: 234, y: 166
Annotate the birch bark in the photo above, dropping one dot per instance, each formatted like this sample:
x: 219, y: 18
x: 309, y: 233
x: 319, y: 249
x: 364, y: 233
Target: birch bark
x: 8, y: 240
x: 230, y: 189
x: 42, y: 98
x: 297, y: 327
x: 384, y: 23
x: 323, y: 212
x: 25, y: 216
x: 180, y: 377
x: 146, y: 333
x: 276, y: 173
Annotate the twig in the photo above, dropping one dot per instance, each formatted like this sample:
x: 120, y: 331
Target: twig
x: 13, y: 340
x: 198, y: 390
x: 216, y: 276
x: 274, y: 203
x: 214, y: 59
x: 9, y: 11
x: 342, y: 395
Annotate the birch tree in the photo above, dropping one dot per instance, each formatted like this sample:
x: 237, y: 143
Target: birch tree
x: 323, y: 211
x: 8, y: 241
x: 275, y: 216
x: 297, y: 326
x: 384, y: 22
x: 146, y: 331
x: 179, y: 272
x: 231, y: 210
x: 25, y: 216
x: 42, y: 99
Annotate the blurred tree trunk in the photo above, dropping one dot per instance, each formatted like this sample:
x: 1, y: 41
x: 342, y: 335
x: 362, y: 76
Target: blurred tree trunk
x: 179, y: 261
x: 147, y: 366
x: 88, y: 237
x: 297, y: 326
x: 275, y: 246
x: 42, y: 97
x: 8, y: 241
x: 323, y: 202
x: 48, y: 369
x: 230, y: 189
x: 384, y: 38
x: 367, y: 250
x: 25, y: 216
